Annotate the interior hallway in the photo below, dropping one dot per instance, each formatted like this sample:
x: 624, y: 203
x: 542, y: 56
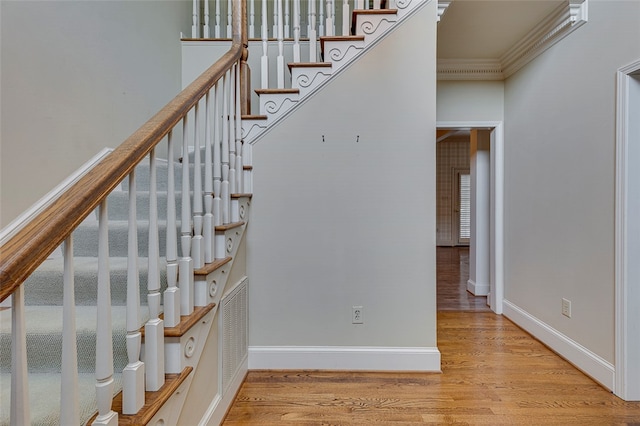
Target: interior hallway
x: 493, y: 373
x: 452, y: 276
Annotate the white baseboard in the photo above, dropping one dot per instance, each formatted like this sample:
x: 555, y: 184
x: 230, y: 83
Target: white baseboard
x: 591, y: 364
x: 343, y: 358
x: 478, y: 289
x: 221, y: 403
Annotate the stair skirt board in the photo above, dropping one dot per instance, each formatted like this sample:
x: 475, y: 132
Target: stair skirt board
x: 363, y: 358
x: 582, y: 358
x: 233, y: 351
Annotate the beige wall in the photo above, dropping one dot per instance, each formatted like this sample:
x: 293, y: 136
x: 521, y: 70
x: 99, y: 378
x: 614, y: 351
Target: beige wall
x: 559, y: 176
x: 78, y: 76
x: 341, y: 223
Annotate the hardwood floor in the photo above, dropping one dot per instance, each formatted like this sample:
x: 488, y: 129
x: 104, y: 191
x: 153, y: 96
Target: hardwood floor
x: 493, y: 373
x: 452, y: 276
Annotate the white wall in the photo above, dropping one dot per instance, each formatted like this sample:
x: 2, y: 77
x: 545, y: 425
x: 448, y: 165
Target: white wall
x: 340, y: 222
x: 470, y: 101
x: 78, y: 76
x: 559, y: 177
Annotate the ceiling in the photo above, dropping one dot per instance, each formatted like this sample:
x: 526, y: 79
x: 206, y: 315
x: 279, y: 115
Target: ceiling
x: 488, y: 29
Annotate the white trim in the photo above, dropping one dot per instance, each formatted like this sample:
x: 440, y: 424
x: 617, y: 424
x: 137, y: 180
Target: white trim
x: 478, y: 289
x: 496, y: 256
x: 367, y: 358
x: 18, y: 223
x: 442, y: 8
x: 627, y: 318
x: 591, y: 364
x: 221, y: 403
x: 556, y: 26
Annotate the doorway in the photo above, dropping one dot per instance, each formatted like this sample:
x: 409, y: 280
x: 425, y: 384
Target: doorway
x: 495, y: 192
x: 627, y: 234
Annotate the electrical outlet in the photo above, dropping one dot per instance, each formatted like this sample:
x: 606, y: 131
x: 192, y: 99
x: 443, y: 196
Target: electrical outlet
x: 357, y: 315
x: 566, y: 308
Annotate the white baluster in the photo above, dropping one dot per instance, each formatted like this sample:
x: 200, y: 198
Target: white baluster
x: 217, y: 158
x: 296, y: 30
x: 216, y: 30
x: 208, y: 182
x: 359, y: 5
x: 194, y: 19
x: 376, y: 4
x: 252, y: 19
x: 321, y: 30
x: 229, y: 20
x: 104, y: 343
x: 154, y: 328
x: 264, y: 61
x: 235, y: 70
x: 346, y: 23
x: 287, y: 31
x: 185, y: 264
x: 329, y: 29
x: 69, y: 397
x: 225, y: 149
x: 206, y: 30
x: 172, y: 293
x: 133, y: 373
x: 274, y: 30
x: 19, y: 411
x: 197, y: 242
x: 280, y: 60
x: 247, y: 159
x: 237, y: 175
x: 313, y: 37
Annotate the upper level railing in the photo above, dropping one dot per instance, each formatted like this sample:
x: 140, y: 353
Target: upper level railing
x: 216, y: 132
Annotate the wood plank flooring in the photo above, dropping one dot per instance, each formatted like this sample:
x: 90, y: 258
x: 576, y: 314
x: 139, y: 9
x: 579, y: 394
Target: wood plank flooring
x: 493, y: 373
x: 452, y: 276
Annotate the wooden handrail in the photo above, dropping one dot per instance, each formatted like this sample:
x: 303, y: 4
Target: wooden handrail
x: 31, y: 246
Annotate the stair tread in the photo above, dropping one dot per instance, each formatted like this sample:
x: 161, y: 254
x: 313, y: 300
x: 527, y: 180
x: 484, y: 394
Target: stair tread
x: 186, y: 321
x: 210, y: 267
x: 228, y: 226
x: 243, y: 194
x: 254, y: 117
x: 275, y: 91
x: 153, y: 400
x: 310, y: 65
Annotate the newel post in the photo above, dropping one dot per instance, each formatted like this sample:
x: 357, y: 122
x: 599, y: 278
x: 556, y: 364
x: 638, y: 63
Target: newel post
x: 245, y: 71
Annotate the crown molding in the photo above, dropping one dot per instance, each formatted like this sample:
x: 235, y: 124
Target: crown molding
x: 470, y: 69
x: 563, y: 21
x: 442, y: 8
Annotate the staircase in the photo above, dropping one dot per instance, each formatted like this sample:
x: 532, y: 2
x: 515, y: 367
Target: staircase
x: 44, y: 312
x: 205, y: 354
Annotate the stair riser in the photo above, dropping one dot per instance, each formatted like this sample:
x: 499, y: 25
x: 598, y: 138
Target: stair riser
x: 44, y: 287
x: 143, y: 177
x: 40, y: 361
x: 118, y: 205
x: 86, y: 239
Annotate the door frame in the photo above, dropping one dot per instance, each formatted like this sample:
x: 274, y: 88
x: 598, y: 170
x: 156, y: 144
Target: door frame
x: 496, y: 255
x: 627, y: 242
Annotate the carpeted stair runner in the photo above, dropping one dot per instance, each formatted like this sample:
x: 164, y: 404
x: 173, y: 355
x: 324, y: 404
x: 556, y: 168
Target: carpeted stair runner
x: 43, y: 300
